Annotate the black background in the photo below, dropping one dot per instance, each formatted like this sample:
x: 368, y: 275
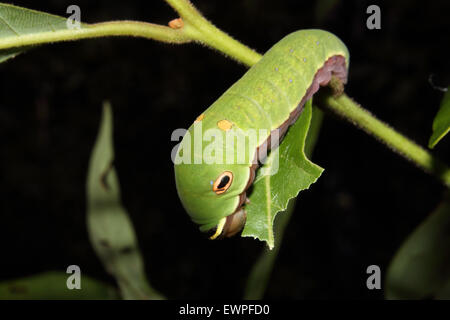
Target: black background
x: 358, y: 213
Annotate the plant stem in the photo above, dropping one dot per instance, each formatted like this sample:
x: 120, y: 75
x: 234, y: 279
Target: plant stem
x: 198, y: 28
x: 352, y: 112
x: 104, y: 29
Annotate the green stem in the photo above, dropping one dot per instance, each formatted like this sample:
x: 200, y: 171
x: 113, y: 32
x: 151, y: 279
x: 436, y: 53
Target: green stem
x: 352, y: 112
x: 198, y: 28
x: 105, y: 29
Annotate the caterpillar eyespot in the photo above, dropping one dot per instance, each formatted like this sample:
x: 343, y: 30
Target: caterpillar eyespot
x: 223, y: 182
x: 269, y: 98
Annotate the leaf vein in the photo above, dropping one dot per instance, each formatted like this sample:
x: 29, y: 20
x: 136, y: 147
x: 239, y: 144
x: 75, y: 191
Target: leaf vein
x: 8, y: 25
x: 269, y: 211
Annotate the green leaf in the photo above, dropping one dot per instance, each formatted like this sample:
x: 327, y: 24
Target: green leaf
x: 421, y: 267
x: 271, y: 193
x: 17, y: 22
x: 441, y: 123
x: 110, y: 229
x: 52, y: 286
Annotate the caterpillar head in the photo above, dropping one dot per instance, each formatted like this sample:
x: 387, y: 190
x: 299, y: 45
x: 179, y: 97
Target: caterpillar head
x: 213, y: 196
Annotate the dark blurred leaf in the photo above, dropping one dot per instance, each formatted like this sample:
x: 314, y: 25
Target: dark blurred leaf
x: 323, y: 8
x: 9, y: 54
x: 441, y: 123
x: 110, y: 229
x: 260, y: 273
x: 52, y: 286
x: 421, y: 268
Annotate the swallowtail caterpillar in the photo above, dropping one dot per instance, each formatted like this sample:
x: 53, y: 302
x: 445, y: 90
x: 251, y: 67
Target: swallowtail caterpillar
x: 269, y: 96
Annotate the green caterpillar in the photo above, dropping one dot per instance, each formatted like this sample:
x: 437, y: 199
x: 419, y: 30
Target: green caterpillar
x: 268, y: 99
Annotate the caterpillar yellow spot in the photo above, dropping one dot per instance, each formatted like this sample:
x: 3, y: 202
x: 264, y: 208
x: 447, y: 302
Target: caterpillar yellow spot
x: 200, y: 118
x: 224, y: 125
